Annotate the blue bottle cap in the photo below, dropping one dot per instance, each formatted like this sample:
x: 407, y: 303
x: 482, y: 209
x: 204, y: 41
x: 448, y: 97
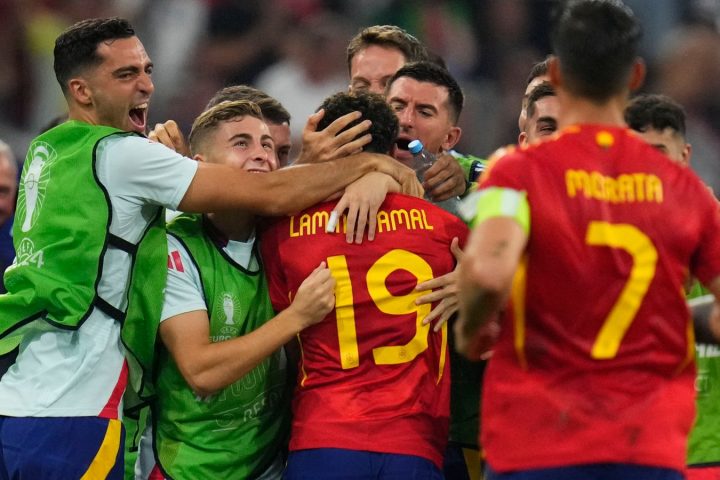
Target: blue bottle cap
x: 415, y: 146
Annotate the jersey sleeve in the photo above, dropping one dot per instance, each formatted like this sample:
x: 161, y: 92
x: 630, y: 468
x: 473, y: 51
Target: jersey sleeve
x: 705, y: 263
x: 277, y: 283
x: 148, y: 170
x: 183, y: 290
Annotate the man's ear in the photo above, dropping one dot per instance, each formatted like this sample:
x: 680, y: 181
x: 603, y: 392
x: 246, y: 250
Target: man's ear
x: 79, y: 90
x: 199, y: 157
x: 686, y: 154
x: 637, y: 75
x: 522, y: 139
x: 452, y: 137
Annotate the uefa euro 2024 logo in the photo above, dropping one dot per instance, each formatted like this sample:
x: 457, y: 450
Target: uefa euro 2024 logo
x: 35, y: 180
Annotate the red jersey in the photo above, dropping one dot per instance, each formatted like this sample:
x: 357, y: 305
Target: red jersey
x: 372, y: 377
x: 595, y: 359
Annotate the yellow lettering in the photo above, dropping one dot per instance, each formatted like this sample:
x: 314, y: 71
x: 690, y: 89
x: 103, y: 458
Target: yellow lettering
x: 425, y: 222
x: 575, y: 181
x: 597, y: 186
x: 626, y: 188
x: 293, y: 233
x: 639, y: 186
x: 383, y: 222
x: 611, y: 190
x: 305, y: 224
x: 399, y: 217
x: 416, y: 219
x: 319, y: 219
x: 654, y: 189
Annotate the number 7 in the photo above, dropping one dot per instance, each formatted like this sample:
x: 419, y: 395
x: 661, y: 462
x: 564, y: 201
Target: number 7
x: 644, y: 255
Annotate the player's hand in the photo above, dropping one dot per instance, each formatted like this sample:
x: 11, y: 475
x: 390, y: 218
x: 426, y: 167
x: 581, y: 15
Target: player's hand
x: 315, y: 296
x: 362, y: 200
x: 479, y: 347
x: 405, y: 176
x: 169, y: 134
x: 445, y: 178
x: 444, y: 289
x: 329, y: 144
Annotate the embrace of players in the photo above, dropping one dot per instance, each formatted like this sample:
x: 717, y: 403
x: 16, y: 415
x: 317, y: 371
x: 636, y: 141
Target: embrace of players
x: 330, y: 317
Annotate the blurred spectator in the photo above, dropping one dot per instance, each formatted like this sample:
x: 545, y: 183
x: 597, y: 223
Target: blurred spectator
x: 8, y: 195
x: 312, y: 67
x: 689, y: 72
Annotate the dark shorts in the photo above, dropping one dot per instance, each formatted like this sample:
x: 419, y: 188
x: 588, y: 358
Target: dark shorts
x: 599, y: 471
x: 462, y: 463
x: 51, y: 448
x: 336, y: 463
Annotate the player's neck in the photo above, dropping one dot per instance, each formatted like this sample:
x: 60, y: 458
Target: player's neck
x: 577, y: 111
x: 234, y: 225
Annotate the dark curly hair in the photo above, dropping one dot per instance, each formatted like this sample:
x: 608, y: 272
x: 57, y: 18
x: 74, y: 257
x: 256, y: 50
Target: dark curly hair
x: 385, y: 126
x: 76, y: 47
x: 656, y: 112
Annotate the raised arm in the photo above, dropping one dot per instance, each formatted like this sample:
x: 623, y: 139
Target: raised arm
x: 284, y: 191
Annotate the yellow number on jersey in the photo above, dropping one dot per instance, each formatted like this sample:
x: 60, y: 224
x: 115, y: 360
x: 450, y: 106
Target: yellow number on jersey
x: 386, y: 302
x: 644, y: 255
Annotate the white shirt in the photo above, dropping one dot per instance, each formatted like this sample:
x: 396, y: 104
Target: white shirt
x: 184, y: 292
x: 76, y: 373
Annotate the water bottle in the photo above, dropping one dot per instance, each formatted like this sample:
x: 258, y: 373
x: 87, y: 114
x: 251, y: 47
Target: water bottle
x: 422, y: 160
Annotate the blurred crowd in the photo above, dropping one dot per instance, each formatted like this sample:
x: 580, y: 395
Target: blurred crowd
x: 295, y: 51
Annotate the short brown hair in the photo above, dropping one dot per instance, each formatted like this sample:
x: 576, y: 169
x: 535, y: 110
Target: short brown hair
x: 271, y: 109
x: 389, y: 36
x: 208, y: 121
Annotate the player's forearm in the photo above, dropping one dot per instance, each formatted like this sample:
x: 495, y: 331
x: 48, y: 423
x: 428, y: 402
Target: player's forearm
x: 220, y: 364
x: 219, y: 187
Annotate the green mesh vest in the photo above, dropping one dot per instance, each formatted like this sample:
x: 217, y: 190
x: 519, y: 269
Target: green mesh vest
x: 704, y: 440
x: 60, y: 234
x: 237, y: 432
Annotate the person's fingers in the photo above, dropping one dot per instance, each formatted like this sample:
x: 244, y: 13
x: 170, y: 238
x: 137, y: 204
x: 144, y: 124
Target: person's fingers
x: 431, y: 316
x: 340, y: 123
x: 456, y: 250
x: 163, y: 137
x: 350, y: 134
x: 355, y: 146
x: 431, y: 297
x: 313, y: 121
x: 351, y: 220
x: 372, y: 224
x: 437, y: 282
x: 362, y: 220
x: 177, y: 137
x: 448, y: 312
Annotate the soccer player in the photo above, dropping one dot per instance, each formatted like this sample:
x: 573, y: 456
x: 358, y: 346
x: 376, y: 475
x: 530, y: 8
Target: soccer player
x: 542, y: 114
x: 222, y: 377
x: 374, y: 384
x: 373, y: 57
x: 660, y: 121
x: 85, y: 291
x: 588, y: 236
x: 538, y: 74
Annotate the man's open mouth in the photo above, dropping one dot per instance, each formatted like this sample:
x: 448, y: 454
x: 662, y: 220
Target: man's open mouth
x: 138, y: 117
x: 402, y: 143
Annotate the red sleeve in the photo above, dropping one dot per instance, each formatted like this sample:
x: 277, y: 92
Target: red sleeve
x: 277, y: 283
x: 705, y: 263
